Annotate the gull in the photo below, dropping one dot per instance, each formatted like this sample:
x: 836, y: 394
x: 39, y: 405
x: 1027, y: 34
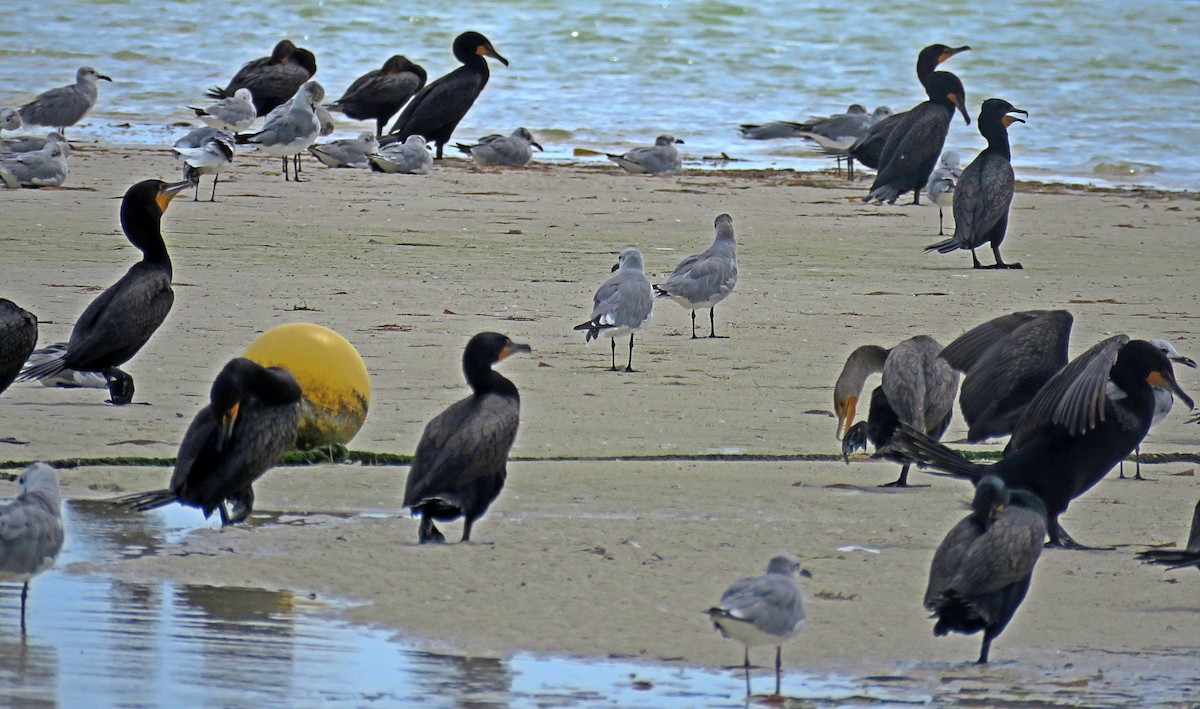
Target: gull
x: 705, y: 279
x: 763, y: 610
x: 290, y: 131
x: 44, y: 168
x: 10, y: 119
x: 205, y: 151
x: 514, y: 150
x: 30, y: 143
x: 942, y: 182
x: 347, y: 152
x: 31, y: 528
x: 662, y: 158
x: 410, y: 157
x: 65, y: 105
x: 66, y: 378
x: 233, y: 114
x: 621, y: 305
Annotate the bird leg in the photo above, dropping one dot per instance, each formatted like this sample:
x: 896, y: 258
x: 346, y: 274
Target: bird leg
x: 975, y: 260
x: 901, y: 481
x: 196, y: 194
x: 216, y: 179
x: 1000, y: 262
x: 850, y: 168
x: 120, y: 386
x: 242, y: 505
x: 24, y: 597
x: 285, y: 169
x: 917, y: 196
x: 778, y: 666
x: 1059, y: 539
x: 614, y: 355
x: 987, y: 646
x: 712, y: 327
x: 438, y: 152
x: 629, y: 367
x: 466, y: 535
x: 941, y: 232
x: 428, y: 533
x: 693, y: 324
x: 224, y: 513
x: 745, y: 667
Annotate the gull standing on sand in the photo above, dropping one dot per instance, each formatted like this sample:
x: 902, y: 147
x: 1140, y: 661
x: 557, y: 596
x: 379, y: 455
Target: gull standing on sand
x: 412, y: 157
x: 942, y: 181
x: 271, y: 80
x: 461, y: 461
x: 205, y: 151
x: 66, y: 105
x: 837, y: 133
x: 515, y: 150
x: 291, y: 131
x: 621, y: 305
x: 705, y: 279
x: 30, y: 143
x: 347, y: 152
x: 31, y: 529
x: 792, y: 129
x: 45, y: 168
x: 233, y: 115
x: 18, y: 337
x: 763, y: 610
x: 251, y: 420
x: 379, y: 93
x: 662, y: 158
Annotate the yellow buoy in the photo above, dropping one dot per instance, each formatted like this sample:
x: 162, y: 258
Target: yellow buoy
x: 331, y: 373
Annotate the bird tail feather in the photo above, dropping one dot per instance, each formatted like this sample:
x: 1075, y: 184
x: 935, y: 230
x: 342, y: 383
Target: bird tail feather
x: 923, y: 450
x: 143, y: 501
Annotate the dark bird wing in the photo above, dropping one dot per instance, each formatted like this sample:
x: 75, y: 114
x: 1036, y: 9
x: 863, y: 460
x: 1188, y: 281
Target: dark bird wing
x: 441, y: 105
x: 18, y: 338
x: 119, y: 322
x: 1003, y: 555
x: 269, y: 84
x: 982, y: 198
x: 917, y: 141
x: 468, y: 441
x: 1074, y: 397
x: 1007, y: 360
x: 375, y: 91
x: 30, y: 536
x: 949, y: 558
x: 869, y: 149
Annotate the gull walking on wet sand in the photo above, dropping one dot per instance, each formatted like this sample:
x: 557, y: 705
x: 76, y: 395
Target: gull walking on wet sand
x: 347, y: 152
x: 621, y: 305
x: 514, y: 150
x: 661, y: 158
x: 942, y: 181
x: 290, y: 131
x: 763, y: 610
x: 233, y: 114
x: 31, y: 529
x: 705, y: 279
x: 412, y: 157
x: 66, y: 105
x: 205, y: 151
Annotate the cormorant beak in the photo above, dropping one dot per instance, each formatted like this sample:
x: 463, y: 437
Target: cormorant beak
x: 961, y: 104
x: 537, y: 145
x: 951, y: 51
x: 167, y: 192
x: 1166, y: 381
x: 487, y: 50
x: 227, y: 421
x: 845, y: 414
x: 513, y: 348
x: 1009, y: 120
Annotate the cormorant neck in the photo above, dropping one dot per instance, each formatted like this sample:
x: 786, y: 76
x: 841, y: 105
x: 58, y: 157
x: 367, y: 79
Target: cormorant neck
x: 273, y: 386
x: 485, y: 380
x: 997, y: 137
x: 862, y: 363
x: 143, y: 229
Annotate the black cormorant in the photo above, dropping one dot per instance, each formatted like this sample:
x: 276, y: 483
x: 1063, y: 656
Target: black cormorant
x: 271, y: 80
x: 379, y: 93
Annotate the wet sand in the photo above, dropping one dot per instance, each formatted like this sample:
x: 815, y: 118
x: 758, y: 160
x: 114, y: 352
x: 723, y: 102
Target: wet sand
x: 602, y: 558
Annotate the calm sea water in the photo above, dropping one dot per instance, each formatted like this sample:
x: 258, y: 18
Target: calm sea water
x: 1109, y: 84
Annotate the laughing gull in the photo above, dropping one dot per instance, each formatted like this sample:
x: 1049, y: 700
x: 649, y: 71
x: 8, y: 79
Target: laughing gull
x: 942, y: 182
x: 233, y: 114
x: 64, y: 106
x: 290, y: 131
x: 205, y: 151
x: 622, y: 305
x: 45, y: 168
x: 31, y: 529
x: 836, y: 134
x: 18, y: 337
x: 412, y: 157
x: 66, y: 378
x: 514, y: 150
x: 788, y: 129
x: 30, y: 143
x: 763, y: 610
x: 705, y: 279
x: 347, y: 152
x: 10, y: 119
x: 662, y: 158
x: 379, y: 93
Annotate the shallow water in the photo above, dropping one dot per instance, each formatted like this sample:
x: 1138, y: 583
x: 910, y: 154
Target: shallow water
x: 1108, y: 84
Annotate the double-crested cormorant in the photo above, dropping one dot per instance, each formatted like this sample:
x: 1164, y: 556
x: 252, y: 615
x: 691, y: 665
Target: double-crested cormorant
x: 1073, y: 432
x: 410, y: 157
x: 31, y: 528
x: 461, y: 461
x: 705, y: 279
x: 942, y: 181
x: 1178, y: 558
x: 232, y: 115
x: 250, y: 422
x: 981, y: 571
x: 18, y: 338
x: 622, y: 304
x: 660, y: 158
x: 1006, y: 361
x: 436, y: 110
x: 868, y: 149
x: 118, y: 323
x: 514, y: 150
x: 917, y: 389
x: 65, y: 105
x: 379, y: 93
x: 205, y: 151
x: 271, y: 80
x: 763, y: 610
x: 1163, y: 402
x: 347, y: 152
x: 289, y: 131
x: 985, y: 189
x: 916, y: 142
